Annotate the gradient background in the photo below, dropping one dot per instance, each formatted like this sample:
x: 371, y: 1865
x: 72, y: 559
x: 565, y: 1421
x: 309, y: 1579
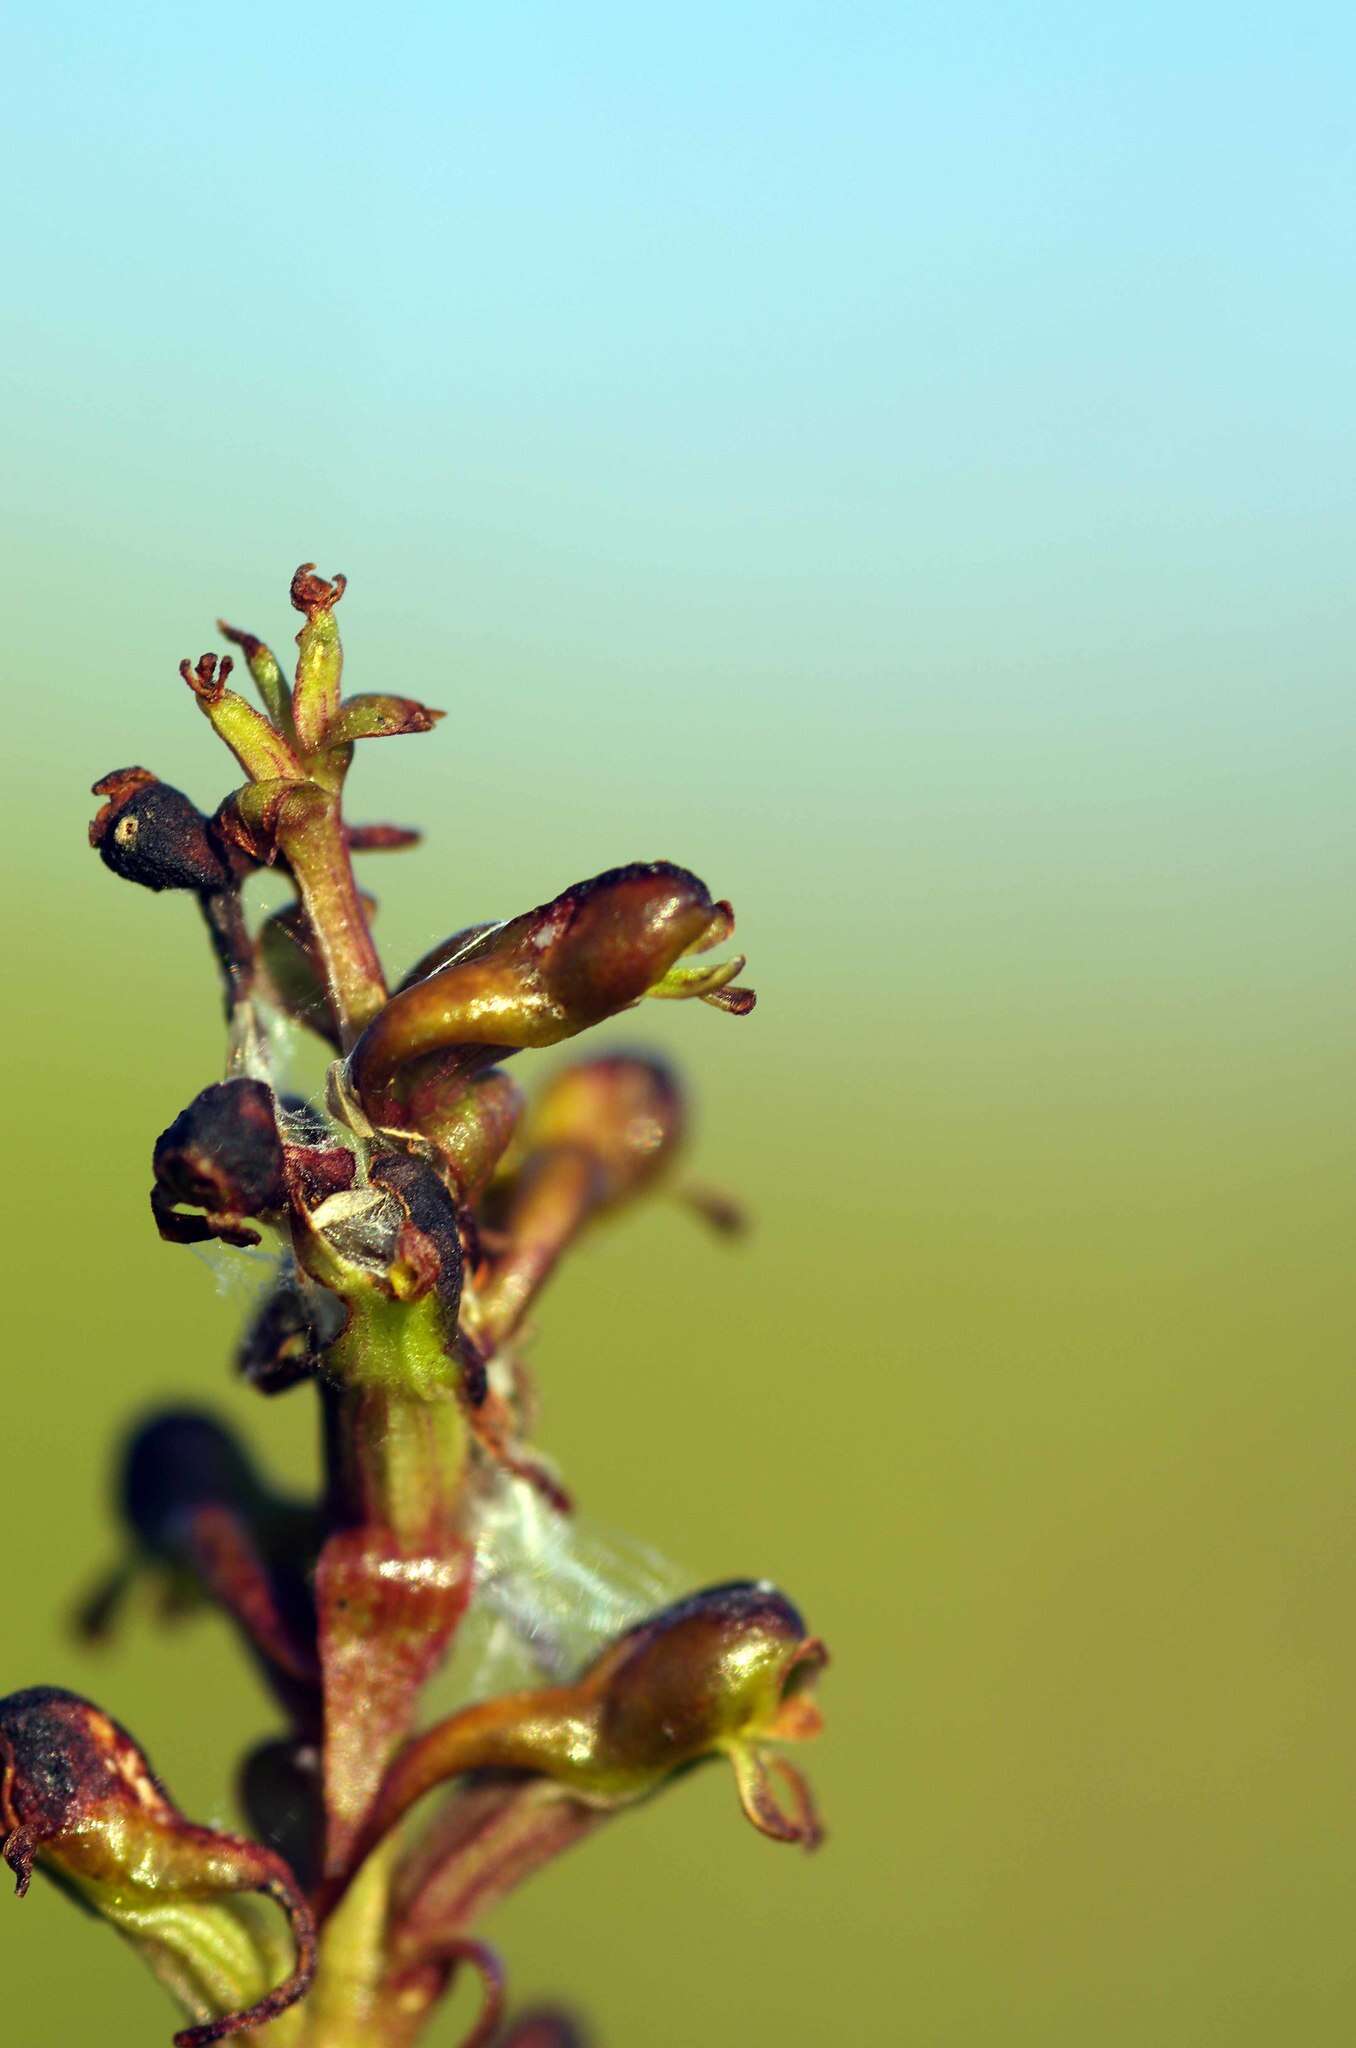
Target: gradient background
x: 897, y: 461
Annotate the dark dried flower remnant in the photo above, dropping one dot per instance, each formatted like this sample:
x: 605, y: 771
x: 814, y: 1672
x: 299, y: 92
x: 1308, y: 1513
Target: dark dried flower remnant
x: 223, y: 1155
x: 149, y: 833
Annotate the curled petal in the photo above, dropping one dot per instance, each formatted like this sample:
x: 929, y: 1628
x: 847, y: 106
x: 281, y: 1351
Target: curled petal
x: 681, y: 983
x: 79, y: 1798
x: 753, y: 1769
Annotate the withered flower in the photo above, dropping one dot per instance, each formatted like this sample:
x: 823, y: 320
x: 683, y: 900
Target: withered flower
x: 223, y: 1156
x: 152, y: 834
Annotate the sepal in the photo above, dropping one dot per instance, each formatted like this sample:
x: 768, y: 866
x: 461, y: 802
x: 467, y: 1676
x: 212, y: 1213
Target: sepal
x: 378, y: 717
x: 266, y: 670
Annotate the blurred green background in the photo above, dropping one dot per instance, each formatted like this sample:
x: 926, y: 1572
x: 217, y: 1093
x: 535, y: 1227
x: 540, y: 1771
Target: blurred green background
x: 896, y: 461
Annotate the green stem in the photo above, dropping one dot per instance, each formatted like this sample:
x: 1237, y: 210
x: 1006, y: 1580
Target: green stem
x: 311, y: 835
x: 401, y: 1460
x: 396, y: 1441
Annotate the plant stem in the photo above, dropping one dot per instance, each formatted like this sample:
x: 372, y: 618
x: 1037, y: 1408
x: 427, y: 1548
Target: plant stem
x: 311, y: 835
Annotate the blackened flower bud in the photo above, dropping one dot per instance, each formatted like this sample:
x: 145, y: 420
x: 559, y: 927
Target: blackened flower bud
x: 723, y: 1672
x: 547, y: 975
x: 79, y: 1798
x: 222, y: 1155
x: 149, y: 833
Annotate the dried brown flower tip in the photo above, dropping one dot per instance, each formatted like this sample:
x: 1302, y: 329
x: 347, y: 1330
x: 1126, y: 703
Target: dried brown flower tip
x: 207, y: 679
x: 311, y: 593
x: 222, y: 1155
x: 150, y: 833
